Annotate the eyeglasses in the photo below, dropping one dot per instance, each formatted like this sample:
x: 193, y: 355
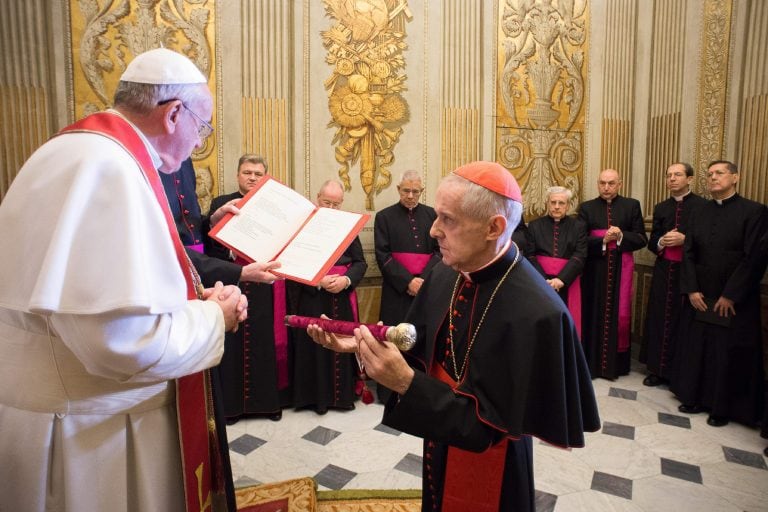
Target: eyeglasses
x: 409, y: 191
x: 204, y: 129
x: 327, y: 203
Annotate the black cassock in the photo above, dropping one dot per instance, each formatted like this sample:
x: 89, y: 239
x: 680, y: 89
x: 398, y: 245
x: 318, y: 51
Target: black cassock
x: 399, y: 232
x: 193, y: 227
x: 758, y: 262
x: 526, y: 376
x: 322, y: 378
x: 397, y: 229
x: 606, y: 314
x: 566, y: 239
x: 664, y: 299
x: 719, y: 367
x: 252, y: 383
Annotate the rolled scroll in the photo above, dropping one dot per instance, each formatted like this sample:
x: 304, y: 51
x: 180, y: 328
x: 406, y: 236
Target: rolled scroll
x: 403, y: 336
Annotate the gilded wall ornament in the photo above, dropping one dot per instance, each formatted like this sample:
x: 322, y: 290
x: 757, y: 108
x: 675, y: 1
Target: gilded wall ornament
x: 713, y: 87
x: 541, y: 90
x: 364, y: 89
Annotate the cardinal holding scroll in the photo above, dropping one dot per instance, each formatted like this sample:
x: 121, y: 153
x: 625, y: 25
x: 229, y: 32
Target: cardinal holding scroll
x: 496, y: 358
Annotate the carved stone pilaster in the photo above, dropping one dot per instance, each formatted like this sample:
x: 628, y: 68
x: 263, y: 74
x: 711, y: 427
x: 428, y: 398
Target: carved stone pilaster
x: 713, y: 86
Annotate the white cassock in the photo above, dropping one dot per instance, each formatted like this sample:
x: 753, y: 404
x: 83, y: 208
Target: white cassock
x: 94, y: 327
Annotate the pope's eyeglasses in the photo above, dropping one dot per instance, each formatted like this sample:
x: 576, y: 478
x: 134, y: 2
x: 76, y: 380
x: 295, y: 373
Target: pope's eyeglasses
x: 204, y: 129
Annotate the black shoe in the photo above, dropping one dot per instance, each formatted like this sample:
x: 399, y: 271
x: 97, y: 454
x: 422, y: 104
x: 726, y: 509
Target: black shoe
x: 689, y: 409
x: 276, y: 417
x: 653, y: 380
x: 765, y: 452
x: 717, y: 421
x: 321, y: 410
x: 232, y: 421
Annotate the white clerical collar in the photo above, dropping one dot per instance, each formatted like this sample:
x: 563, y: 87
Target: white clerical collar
x: 153, y: 154
x: 499, y: 254
x: 720, y: 201
x: 681, y: 197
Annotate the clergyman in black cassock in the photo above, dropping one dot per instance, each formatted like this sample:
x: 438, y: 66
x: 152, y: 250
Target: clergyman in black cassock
x: 405, y: 252
x: 670, y: 223
x: 558, y: 249
x: 615, y: 229
x: 324, y: 379
x: 193, y: 227
x: 255, y: 369
x: 720, y: 368
x: 404, y: 249
x: 497, y: 359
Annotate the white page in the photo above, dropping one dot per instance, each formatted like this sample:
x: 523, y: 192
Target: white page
x: 318, y: 240
x: 267, y: 221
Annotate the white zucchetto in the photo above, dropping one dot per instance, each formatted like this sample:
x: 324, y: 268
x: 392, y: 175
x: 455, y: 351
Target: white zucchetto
x: 162, y: 66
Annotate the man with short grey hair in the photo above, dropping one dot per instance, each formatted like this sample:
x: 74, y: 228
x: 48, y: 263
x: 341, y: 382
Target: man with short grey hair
x: 720, y: 365
x: 496, y: 360
x: 405, y: 252
x: 558, y: 245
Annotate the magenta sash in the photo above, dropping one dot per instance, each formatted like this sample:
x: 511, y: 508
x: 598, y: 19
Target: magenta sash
x: 340, y: 270
x: 281, y: 332
x: 412, y: 261
x: 279, y: 329
x: 197, y: 248
x: 673, y: 253
x: 625, y: 292
x: 552, y: 266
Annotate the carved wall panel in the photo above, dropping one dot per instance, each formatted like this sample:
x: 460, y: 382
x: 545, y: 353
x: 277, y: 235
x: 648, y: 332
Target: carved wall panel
x: 364, y: 48
x: 666, y: 97
x: 25, y: 85
x: 462, y: 71
x: 619, y: 89
x: 107, y: 34
x: 752, y: 150
x: 267, y: 75
x: 541, y: 96
x: 713, y: 85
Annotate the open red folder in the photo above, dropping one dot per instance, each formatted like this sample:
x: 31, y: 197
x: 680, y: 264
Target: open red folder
x: 277, y: 223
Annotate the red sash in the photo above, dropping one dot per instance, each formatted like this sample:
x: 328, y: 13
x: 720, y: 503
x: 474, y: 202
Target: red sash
x: 552, y: 266
x: 412, y: 261
x: 472, y: 480
x: 625, y: 292
x: 674, y: 253
x: 199, y: 450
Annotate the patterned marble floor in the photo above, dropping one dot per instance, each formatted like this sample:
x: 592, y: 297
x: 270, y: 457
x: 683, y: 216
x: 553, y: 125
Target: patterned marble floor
x: 648, y: 457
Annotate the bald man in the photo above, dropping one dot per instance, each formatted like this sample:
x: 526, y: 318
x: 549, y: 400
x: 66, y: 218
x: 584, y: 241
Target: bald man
x: 323, y: 379
x: 615, y: 227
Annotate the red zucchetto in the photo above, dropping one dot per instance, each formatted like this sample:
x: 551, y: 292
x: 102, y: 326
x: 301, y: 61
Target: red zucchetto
x: 492, y: 176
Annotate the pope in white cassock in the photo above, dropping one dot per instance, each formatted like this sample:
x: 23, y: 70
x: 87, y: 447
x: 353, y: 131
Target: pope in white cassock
x: 104, y: 331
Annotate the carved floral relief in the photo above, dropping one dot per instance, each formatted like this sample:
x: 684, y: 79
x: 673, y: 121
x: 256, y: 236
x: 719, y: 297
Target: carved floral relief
x: 364, y: 89
x: 540, y: 96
